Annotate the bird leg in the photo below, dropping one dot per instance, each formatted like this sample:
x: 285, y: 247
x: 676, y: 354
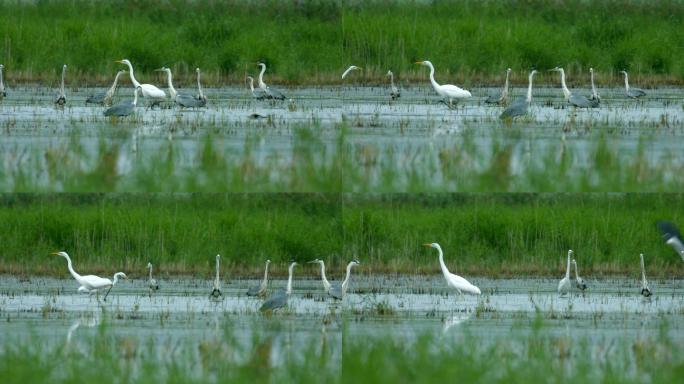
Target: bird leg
x: 105, y: 298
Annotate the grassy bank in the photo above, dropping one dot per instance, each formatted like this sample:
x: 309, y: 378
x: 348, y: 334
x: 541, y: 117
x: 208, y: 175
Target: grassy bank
x: 490, y: 235
x: 311, y: 42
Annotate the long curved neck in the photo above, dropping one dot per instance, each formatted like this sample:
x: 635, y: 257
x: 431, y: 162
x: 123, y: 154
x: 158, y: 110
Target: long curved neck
x: 262, y: 85
x: 265, y: 281
x: 445, y: 270
x: 216, y: 281
x: 566, y: 91
x: 567, y: 270
x: 326, y: 283
x: 505, y: 90
x: 115, y: 278
x: 135, y: 97
x: 529, y: 89
x: 432, y: 77
x: 199, y: 86
x: 61, y: 87
x: 172, y: 90
x: 643, y: 270
x: 150, y: 272
x: 626, y: 82
x: 576, y: 274
x: 130, y: 72
x: 289, y: 279
x: 71, y: 268
x: 593, y: 87
x: 392, y: 79
x: 251, y: 85
x: 2, y: 85
x: 345, y: 283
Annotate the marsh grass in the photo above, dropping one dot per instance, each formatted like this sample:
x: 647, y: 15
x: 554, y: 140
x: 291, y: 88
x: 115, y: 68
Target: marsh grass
x: 492, y: 235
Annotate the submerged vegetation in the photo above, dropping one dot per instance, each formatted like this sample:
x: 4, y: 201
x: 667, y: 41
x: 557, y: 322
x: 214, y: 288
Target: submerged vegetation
x: 311, y: 41
x: 492, y: 235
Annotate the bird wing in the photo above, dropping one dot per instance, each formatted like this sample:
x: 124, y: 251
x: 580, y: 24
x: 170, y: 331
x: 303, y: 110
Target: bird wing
x: 95, y: 282
x: 462, y: 284
x: 517, y: 108
x: 336, y: 291
x: 149, y: 90
x: 454, y: 91
x: 579, y: 101
x: 274, y: 93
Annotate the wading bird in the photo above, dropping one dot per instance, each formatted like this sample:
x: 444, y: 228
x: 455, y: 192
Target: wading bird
x: 503, y: 98
x: 124, y: 108
x: 564, y: 285
x: 595, y: 98
x: 633, y: 93
x: 520, y: 106
x: 579, y: 282
x: 216, y: 291
x: 89, y: 282
x: 338, y: 291
x: 260, y: 290
x: 578, y: 101
x: 394, y: 91
x: 447, y: 91
x: 200, y: 95
x: 454, y: 281
x: 672, y: 236
x: 105, y: 97
x: 3, y: 94
x: 350, y: 69
x: 183, y: 99
x: 258, y: 93
x: 115, y: 279
x: 645, y: 291
x: 272, y: 92
x: 152, y: 283
x: 60, y: 99
x: 148, y: 91
x: 279, y: 299
x: 326, y: 283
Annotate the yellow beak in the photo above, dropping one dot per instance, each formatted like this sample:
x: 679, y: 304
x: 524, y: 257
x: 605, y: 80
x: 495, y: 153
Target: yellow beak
x: 419, y: 62
x: 427, y: 245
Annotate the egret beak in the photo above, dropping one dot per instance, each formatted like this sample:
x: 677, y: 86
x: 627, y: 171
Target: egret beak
x: 419, y: 62
x: 54, y: 253
x: 427, y: 245
x: 119, y: 61
x: 312, y: 261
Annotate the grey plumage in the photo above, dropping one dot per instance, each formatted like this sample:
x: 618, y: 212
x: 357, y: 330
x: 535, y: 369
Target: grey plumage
x: 271, y: 93
x: 501, y: 99
x: 520, y: 106
x: 261, y: 289
x: 105, y: 97
x: 279, y: 299
x: 394, y: 91
x: 645, y: 290
x: 632, y: 93
x: 60, y: 99
x: 124, y: 108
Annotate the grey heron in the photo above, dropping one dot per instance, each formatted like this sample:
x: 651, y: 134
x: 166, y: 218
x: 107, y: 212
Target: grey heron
x: 279, y: 299
x: 394, y: 91
x: 672, y: 236
x: 447, y: 91
x: 520, y: 106
x: 633, y: 93
x: 326, y: 283
x: 338, y: 291
x: 454, y: 281
x: 216, y: 291
x: 578, y: 101
x: 595, y: 98
x: 260, y: 290
x: 60, y: 99
x: 645, y: 290
x: 3, y: 93
x: 183, y: 99
x: 105, y: 97
x: 152, y: 283
x: 503, y: 98
x: 200, y: 95
x: 349, y: 70
x: 125, y: 108
x: 579, y: 282
x: 258, y: 93
x: 272, y: 92
x: 88, y: 282
x: 148, y: 91
x: 564, y: 285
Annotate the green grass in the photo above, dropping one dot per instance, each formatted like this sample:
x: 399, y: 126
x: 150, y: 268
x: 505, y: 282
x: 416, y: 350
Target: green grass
x: 490, y: 235
x: 312, y: 41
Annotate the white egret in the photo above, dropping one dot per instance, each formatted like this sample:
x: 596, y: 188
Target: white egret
x: 279, y: 299
x: 60, y: 99
x: 105, y: 97
x: 115, y: 279
x: 564, y: 285
x: 351, y: 68
x: 338, y: 291
x: 448, y: 91
x: 645, y: 290
x: 326, y: 283
x: 503, y: 98
x: 259, y: 93
x: 578, y: 101
x: 260, y: 290
x: 272, y: 92
x: 152, y: 283
x: 183, y: 99
x: 216, y: 291
x: 394, y: 91
x: 672, y: 236
x: 633, y: 93
x: 579, y: 282
x: 454, y: 281
x: 149, y: 91
x: 124, y: 108
x: 595, y: 98
x: 3, y: 94
x: 520, y: 106
x: 200, y: 95
x: 89, y: 282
